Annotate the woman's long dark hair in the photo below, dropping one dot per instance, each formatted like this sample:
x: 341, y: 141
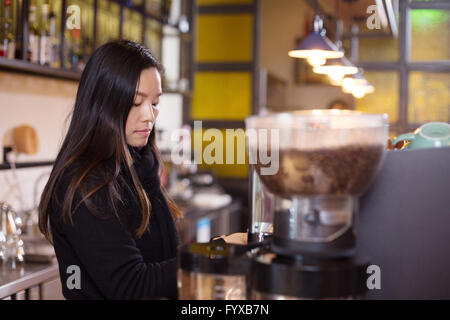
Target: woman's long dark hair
x: 96, y: 140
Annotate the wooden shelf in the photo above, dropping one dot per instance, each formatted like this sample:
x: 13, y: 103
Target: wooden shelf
x: 23, y: 66
x: 33, y: 68
x: 21, y: 165
x: 36, y: 69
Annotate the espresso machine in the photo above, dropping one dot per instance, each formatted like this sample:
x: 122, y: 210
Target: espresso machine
x: 308, y: 170
x: 11, y: 243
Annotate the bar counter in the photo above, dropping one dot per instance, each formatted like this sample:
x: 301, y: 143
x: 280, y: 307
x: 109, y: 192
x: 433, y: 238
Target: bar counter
x: 30, y: 281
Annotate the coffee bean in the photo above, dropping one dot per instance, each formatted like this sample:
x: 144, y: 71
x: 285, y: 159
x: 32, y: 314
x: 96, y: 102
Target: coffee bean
x: 337, y: 171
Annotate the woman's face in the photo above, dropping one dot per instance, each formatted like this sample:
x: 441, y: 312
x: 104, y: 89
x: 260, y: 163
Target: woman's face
x: 145, y: 108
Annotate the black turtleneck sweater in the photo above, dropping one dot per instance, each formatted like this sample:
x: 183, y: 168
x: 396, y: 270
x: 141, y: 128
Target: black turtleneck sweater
x: 113, y: 262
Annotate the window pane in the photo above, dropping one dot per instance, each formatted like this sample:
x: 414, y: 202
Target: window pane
x: 108, y: 21
x: 224, y: 37
x: 154, y: 6
x: 222, y: 95
x: 378, y: 49
x: 430, y: 35
x: 132, y: 25
x: 429, y: 97
x: 385, y: 98
x: 152, y: 37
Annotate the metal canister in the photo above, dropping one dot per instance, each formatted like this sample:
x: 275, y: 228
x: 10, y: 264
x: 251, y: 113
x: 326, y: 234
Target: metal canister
x: 276, y: 277
x: 213, y: 271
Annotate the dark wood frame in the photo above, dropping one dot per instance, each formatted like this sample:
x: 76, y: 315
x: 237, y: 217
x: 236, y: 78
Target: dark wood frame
x: 253, y: 66
x: 23, y: 66
x: 404, y: 65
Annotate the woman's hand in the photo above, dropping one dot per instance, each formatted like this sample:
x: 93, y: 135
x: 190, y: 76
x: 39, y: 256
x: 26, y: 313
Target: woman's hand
x: 234, y: 238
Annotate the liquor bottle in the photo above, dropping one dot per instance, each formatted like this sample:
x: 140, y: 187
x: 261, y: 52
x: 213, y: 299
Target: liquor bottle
x: 72, y: 48
x: 86, y: 41
x: 45, y: 40
x: 7, y: 44
x: 76, y: 52
x: 87, y: 48
x: 33, y: 33
x: 54, y: 54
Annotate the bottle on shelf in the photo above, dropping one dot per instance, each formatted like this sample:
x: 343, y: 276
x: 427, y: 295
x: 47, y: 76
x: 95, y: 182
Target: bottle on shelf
x: 77, y: 50
x: 87, y: 48
x: 7, y: 38
x: 73, y: 49
x: 54, y: 51
x: 45, y: 45
x: 33, y: 33
x: 86, y: 43
x: 68, y: 48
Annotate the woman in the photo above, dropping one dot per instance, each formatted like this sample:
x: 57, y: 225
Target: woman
x: 103, y: 207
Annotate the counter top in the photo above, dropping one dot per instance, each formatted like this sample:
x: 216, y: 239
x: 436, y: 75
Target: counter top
x: 24, y: 276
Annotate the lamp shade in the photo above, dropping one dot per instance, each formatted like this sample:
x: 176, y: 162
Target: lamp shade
x: 336, y: 69
x: 351, y: 81
x: 360, y: 90
x: 316, y: 48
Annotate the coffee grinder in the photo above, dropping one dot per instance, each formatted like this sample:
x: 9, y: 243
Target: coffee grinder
x: 325, y: 160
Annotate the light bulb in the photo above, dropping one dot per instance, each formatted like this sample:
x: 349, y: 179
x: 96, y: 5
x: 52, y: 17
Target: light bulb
x: 359, y: 92
x: 183, y: 24
x: 316, y: 58
x: 369, y: 88
x: 348, y: 84
x: 336, y: 83
x: 335, y: 74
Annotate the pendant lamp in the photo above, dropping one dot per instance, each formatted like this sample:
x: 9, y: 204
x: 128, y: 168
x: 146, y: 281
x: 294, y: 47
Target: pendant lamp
x: 336, y: 69
x: 316, y: 48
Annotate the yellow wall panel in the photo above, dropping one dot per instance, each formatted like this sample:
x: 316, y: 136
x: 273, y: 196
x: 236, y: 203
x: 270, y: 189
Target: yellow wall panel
x: 378, y: 49
x: 385, y: 98
x: 132, y: 25
x: 222, y: 95
x: 108, y: 17
x: 220, y: 143
x: 224, y: 38
x: 229, y: 171
x: 429, y: 97
x: 222, y: 2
